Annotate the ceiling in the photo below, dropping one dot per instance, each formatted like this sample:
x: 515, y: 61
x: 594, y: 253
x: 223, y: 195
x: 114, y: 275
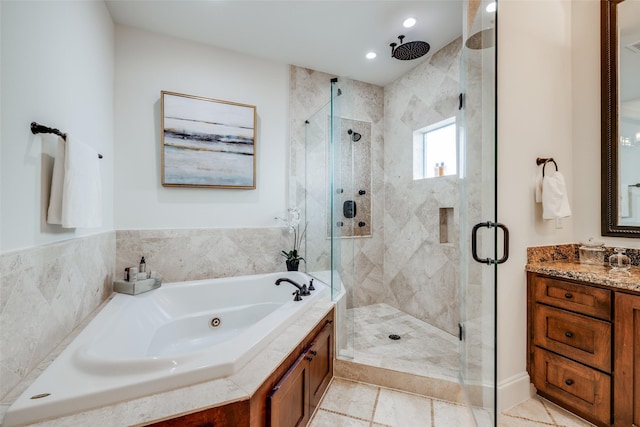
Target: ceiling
x: 324, y: 35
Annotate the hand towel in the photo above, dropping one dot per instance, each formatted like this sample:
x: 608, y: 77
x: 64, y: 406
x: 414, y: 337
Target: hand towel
x: 624, y: 203
x: 555, y: 203
x: 54, y: 213
x: 634, y: 203
x: 538, y: 184
x: 82, y: 190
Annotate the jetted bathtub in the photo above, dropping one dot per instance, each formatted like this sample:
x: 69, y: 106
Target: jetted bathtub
x: 180, y: 334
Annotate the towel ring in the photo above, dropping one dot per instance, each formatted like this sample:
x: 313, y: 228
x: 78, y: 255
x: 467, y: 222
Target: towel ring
x: 543, y: 161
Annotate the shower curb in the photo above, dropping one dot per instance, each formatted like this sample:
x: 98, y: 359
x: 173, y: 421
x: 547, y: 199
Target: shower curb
x: 439, y: 388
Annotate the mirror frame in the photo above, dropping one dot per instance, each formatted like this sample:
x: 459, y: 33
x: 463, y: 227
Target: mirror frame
x: 609, y: 123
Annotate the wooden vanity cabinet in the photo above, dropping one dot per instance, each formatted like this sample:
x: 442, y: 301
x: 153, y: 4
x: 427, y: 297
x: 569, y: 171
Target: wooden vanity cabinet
x: 626, y: 392
x: 294, y: 398
x: 570, y: 341
x: 584, y: 348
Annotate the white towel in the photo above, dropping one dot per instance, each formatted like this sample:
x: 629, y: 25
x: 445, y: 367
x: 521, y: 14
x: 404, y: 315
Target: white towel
x: 538, y: 185
x: 76, y: 190
x: 54, y: 214
x: 624, y: 203
x: 555, y: 203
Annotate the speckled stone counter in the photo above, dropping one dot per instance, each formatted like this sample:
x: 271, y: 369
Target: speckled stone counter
x: 562, y: 261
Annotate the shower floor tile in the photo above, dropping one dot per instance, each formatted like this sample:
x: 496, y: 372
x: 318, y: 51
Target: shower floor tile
x: 421, y: 350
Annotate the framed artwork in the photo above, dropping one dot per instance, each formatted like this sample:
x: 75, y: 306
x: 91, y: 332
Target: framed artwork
x: 207, y: 142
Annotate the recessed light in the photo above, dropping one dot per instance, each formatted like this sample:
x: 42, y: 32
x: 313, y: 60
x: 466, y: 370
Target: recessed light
x: 371, y: 55
x: 491, y: 7
x: 409, y: 22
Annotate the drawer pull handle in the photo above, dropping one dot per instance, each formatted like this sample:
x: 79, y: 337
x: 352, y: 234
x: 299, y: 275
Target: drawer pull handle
x: 568, y: 295
x: 568, y: 334
x: 569, y: 382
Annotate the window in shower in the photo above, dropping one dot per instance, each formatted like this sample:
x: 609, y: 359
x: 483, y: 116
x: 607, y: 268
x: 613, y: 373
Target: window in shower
x: 434, y: 150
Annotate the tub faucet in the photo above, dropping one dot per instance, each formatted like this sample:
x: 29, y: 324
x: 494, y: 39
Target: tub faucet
x: 302, y: 289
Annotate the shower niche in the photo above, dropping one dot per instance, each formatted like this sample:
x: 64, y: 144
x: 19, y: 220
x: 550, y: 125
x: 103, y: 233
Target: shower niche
x: 353, y: 195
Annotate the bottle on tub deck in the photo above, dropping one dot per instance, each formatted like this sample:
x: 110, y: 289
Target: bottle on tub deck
x: 142, y: 270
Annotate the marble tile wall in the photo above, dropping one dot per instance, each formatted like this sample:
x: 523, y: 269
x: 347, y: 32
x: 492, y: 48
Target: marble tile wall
x: 403, y: 263
x: 362, y: 257
x: 45, y: 292
x: 420, y: 272
x: 193, y: 254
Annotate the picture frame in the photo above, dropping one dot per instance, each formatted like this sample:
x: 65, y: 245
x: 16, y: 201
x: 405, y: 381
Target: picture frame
x: 207, y: 142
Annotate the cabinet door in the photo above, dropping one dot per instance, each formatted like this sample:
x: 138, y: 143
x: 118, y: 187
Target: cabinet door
x: 288, y: 401
x: 320, y: 357
x: 626, y: 378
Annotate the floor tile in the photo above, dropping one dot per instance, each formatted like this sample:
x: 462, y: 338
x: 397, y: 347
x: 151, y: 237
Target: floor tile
x: 324, y: 418
x: 532, y: 410
x: 509, y: 421
x: 350, y: 398
x: 449, y: 414
x: 400, y: 409
x: 563, y: 417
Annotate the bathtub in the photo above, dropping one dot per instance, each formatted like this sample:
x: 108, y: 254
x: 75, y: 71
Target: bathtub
x: 180, y: 334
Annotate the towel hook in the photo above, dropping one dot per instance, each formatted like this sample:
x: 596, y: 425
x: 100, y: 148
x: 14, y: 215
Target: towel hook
x: 544, y: 161
x: 38, y: 128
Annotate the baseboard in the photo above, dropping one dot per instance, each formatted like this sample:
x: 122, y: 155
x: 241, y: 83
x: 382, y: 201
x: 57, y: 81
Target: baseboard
x: 514, y: 390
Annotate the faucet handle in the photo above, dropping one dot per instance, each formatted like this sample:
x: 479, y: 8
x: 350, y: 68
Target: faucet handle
x: 297, y: 296
x: 311, y: 287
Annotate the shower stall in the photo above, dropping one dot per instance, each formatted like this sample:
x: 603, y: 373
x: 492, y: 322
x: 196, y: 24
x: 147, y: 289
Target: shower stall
x: 398, y: 189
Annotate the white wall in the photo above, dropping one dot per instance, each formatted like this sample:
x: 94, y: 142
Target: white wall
x: 57, y: 69
x: 147, y: 63
x: 586, y: 123
x: 534, y: 120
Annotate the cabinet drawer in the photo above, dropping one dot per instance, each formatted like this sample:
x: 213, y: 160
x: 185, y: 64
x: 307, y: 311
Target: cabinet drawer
x: 578, y: 337
x: 577, y: 387
x: 583, y: 299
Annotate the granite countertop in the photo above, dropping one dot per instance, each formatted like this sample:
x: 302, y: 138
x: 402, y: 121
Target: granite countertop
x: 597, y: 274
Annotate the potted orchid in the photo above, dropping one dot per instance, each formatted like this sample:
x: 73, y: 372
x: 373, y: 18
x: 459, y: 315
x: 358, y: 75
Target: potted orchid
x: 293, y: 257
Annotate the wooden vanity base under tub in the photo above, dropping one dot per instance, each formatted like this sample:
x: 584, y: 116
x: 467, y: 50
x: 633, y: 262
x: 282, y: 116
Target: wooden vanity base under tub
x: 584, y: 348
x: 287, y: 397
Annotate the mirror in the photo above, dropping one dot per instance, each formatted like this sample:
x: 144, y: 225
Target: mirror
x: 620, y: 117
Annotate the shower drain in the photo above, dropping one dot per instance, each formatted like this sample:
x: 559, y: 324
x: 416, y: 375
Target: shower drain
x: 394, y: 337
x: 215, y: 322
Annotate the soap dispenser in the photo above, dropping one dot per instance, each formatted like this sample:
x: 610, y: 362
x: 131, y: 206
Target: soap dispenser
x: 619, y: 261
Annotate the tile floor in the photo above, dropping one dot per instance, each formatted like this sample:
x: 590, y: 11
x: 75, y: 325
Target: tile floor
x: 351, y: 404
x: 422, y: 349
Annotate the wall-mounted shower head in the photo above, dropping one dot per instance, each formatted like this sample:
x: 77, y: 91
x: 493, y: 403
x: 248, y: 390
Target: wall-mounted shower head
x: 409, y: 50
x: 355, y: 136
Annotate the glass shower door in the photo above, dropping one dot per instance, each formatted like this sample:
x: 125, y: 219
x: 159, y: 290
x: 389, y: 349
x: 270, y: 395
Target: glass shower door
x: 478, y: 222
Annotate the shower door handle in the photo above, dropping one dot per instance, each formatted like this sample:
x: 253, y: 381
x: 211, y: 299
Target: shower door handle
x: 474, y: 243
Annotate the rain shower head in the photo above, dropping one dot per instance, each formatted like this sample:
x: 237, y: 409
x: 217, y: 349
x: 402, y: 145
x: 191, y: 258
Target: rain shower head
x: 355, y: 136
x: 409, y: 50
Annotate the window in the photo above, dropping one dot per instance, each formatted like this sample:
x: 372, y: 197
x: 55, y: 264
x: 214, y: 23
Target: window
x: 434, y: 150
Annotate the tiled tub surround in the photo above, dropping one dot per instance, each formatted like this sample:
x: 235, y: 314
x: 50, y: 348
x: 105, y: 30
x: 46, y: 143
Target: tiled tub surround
x: 237, y: 387
x: 562, y: 261
x: 193, y: 254
x: 45, y: 292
